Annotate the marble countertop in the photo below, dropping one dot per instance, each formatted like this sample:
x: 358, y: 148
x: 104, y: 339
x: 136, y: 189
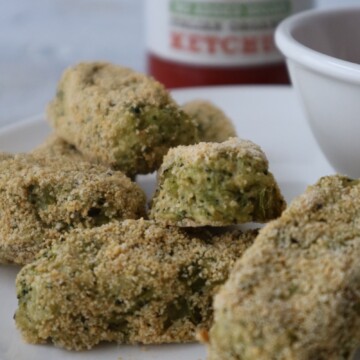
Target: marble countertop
x: 39, y: 38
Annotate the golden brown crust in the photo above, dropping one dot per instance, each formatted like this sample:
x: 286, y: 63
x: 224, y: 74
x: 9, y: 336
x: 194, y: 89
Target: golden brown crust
x: 118, y: 117
x: 129, y: 282
x: 295, y: 294
x: 216, y: 184
x: 213, y: 124
x: 42, y: 197
x: 56, y: 146
x: 206, y: 151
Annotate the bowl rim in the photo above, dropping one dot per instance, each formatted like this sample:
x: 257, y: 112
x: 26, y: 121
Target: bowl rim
x: 312, y: 59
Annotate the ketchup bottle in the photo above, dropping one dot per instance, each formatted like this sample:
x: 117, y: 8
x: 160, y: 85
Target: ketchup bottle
x: 200, y: 42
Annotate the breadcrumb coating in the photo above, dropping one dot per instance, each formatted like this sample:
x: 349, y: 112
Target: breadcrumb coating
x: 212, y: 123
x: 295, y: 294
x: 56, y: 146
x: 42, y: 197
x: 118, y: 117
x: 216, y: 184
x: 129, y: 282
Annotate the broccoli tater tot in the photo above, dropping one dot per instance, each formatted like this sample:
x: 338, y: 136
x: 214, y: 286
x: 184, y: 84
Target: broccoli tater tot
x: 118, y: 117
x: 295, y: 294
x: 55, y: 146
x: 43, y: 197
x: 216, y: 184
x: 129, y: 282
x: 213, y: 125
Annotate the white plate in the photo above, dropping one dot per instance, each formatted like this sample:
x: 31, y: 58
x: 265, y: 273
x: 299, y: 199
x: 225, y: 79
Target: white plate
x: 270, y: 116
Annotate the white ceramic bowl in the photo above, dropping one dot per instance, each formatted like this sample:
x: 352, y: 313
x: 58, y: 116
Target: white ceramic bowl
x: 322, y: 50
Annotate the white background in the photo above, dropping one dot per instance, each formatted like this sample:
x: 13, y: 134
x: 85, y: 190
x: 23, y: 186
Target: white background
x: 39, y: 38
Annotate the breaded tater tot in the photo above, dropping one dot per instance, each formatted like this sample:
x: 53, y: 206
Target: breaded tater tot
x: 118, y: 117
x: 129, y: 282
x: 44, y: 197
x: 295, y: 294
x: 212, y: 123
x: 216, y: 184
x: 55, y: 146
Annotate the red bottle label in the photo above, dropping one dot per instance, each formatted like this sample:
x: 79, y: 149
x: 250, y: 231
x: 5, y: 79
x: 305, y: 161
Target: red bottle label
x: 187, y: 40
